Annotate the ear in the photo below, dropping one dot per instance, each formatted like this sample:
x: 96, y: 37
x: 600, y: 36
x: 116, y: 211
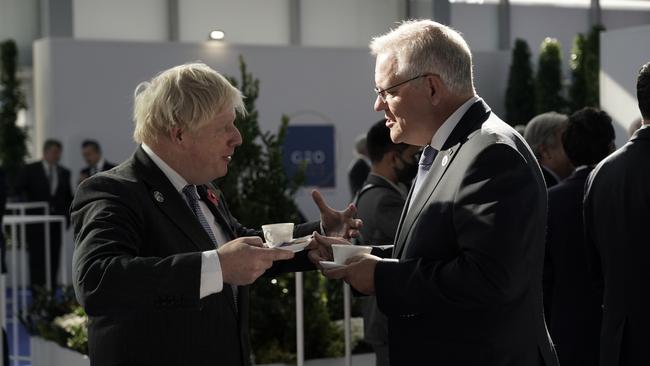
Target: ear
x: 176, y: 135
x: 437, y: 88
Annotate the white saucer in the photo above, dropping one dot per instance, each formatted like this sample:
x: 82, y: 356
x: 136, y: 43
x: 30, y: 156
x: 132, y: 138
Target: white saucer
x: 295, y: 245
x: 330, y: 265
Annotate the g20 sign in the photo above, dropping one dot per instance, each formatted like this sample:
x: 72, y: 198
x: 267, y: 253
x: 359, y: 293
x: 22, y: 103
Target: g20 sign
x: 312, y: 145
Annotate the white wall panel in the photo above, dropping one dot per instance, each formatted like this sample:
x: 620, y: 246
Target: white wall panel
x: 244, y: 21
x: 622, y: 52
x: 347, y: 23
x: 141, y: 20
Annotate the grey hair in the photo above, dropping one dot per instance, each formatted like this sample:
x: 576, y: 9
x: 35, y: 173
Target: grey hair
x: 424, y: 46
x: 186, y: 96
x: 542, y: 129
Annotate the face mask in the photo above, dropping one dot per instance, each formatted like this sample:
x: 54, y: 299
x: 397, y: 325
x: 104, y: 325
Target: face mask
x: 407, y: 172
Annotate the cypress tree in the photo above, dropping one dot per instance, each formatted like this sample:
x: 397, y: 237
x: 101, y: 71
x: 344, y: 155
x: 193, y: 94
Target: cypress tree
x: 549, y: 78
x: 520, y: 93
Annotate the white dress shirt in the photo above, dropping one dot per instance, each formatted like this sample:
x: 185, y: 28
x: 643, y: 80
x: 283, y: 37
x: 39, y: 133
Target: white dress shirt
x: 54, y: 179
x: 443, y: 133
x: 211, y: 275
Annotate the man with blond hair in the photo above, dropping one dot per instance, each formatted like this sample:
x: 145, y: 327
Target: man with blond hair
x: 160, y: 265
x: 464, y: 284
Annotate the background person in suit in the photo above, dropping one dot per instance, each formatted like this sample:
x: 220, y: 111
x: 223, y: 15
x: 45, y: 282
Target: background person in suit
x: 466, y: 288
x: 92, y: 154
x: 616, y: 211
x: 359, y: 167
x: 45, y: 180
x: 573, y: 305
x: 379, y: 205
x: 146, y: 270
x: 3, y: 261
x: 544, y: 135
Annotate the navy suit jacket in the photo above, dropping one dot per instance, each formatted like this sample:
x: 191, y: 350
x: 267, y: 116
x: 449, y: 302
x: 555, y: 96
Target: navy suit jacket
x: 616, y: 211
x: 136, y: 271
x: 33, y: 185
x: 574, y: 310
x: 106, y: 166
x: 468, y: 286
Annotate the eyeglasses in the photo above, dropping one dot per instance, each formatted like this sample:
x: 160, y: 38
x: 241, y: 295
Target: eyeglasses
x: 381, y: 93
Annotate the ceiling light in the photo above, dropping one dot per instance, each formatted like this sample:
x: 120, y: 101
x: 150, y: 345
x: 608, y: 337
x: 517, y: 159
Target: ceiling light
x: 217, y: 35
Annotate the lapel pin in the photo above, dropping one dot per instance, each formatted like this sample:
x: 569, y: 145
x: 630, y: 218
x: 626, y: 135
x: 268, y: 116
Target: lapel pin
x: 445, y: 160
x: 158, y: 196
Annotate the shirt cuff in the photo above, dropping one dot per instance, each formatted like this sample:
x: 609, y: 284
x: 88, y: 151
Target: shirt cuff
x: 211, y: 276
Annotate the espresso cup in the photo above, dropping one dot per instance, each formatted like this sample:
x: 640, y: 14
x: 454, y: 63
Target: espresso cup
x: 276, y: 234
x: 343, y: 252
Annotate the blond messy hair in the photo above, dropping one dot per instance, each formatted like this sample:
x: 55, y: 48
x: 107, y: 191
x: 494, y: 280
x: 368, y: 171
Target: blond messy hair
x: 185, y: 96
x: 424, y: 46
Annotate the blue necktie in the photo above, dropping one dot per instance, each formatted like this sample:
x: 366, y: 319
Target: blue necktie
x: 193, y: 198
x: 426, y: 160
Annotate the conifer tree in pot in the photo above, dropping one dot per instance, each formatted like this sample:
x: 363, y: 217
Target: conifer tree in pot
x: 13, y: 149
x: 258, y: 191
x: 578, y: 88
x: 549, y: 78
x: 585, y: 69
x: 592, y: 67
x: 520, y: 93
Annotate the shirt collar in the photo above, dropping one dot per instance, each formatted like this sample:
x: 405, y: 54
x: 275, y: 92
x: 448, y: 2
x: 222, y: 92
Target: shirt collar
x: 441, y: 136
x: 176, y: 179
x: 47, y: 165
x: 100, y: 164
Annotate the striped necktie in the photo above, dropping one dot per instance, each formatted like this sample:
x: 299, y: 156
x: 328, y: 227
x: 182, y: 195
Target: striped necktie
x: 193, y: 198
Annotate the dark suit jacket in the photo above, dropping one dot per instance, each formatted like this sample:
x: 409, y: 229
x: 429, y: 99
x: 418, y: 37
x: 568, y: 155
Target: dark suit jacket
x: 573, y: 304
x: 106, y: 166
x: 3, y: 201
x: 33, y: 185
x: 136, y: 268
x: 468, y: 286
x: 379, y: 205
x: 357, y: 175
x: 616, y: 211
x: 549, y: 178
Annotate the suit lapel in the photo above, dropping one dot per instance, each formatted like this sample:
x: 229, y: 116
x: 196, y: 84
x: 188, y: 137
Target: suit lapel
x: 170, y: 202
x: 440, y: 165
x: 471, y: 120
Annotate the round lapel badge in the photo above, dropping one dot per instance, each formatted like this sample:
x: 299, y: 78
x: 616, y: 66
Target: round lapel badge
x: 158, y: 196
x: 445, y: 160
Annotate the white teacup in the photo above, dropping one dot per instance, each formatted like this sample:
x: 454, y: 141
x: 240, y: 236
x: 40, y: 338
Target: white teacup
x: 342, y: 252
x: 276, y: 234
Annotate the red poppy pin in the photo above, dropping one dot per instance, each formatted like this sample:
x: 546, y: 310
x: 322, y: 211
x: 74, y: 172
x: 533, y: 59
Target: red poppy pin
x: 213, y: 197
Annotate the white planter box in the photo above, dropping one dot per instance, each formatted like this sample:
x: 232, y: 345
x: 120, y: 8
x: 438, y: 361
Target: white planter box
x: 46, y: 353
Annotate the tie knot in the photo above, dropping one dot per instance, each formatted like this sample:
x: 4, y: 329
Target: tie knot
x: 428, y: 154
x: 190, y: 192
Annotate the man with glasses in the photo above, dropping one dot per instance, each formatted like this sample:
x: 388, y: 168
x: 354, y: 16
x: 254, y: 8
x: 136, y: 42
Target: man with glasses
x: 463, y: 286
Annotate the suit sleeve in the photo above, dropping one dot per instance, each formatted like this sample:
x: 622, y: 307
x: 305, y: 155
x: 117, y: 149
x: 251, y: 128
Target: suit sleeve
x: 497, y: 242
x: 110, y: 273
x: 299, y: 263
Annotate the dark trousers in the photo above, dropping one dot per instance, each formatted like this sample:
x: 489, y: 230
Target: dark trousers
x: 381, y: 355
x: 36, y: 246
